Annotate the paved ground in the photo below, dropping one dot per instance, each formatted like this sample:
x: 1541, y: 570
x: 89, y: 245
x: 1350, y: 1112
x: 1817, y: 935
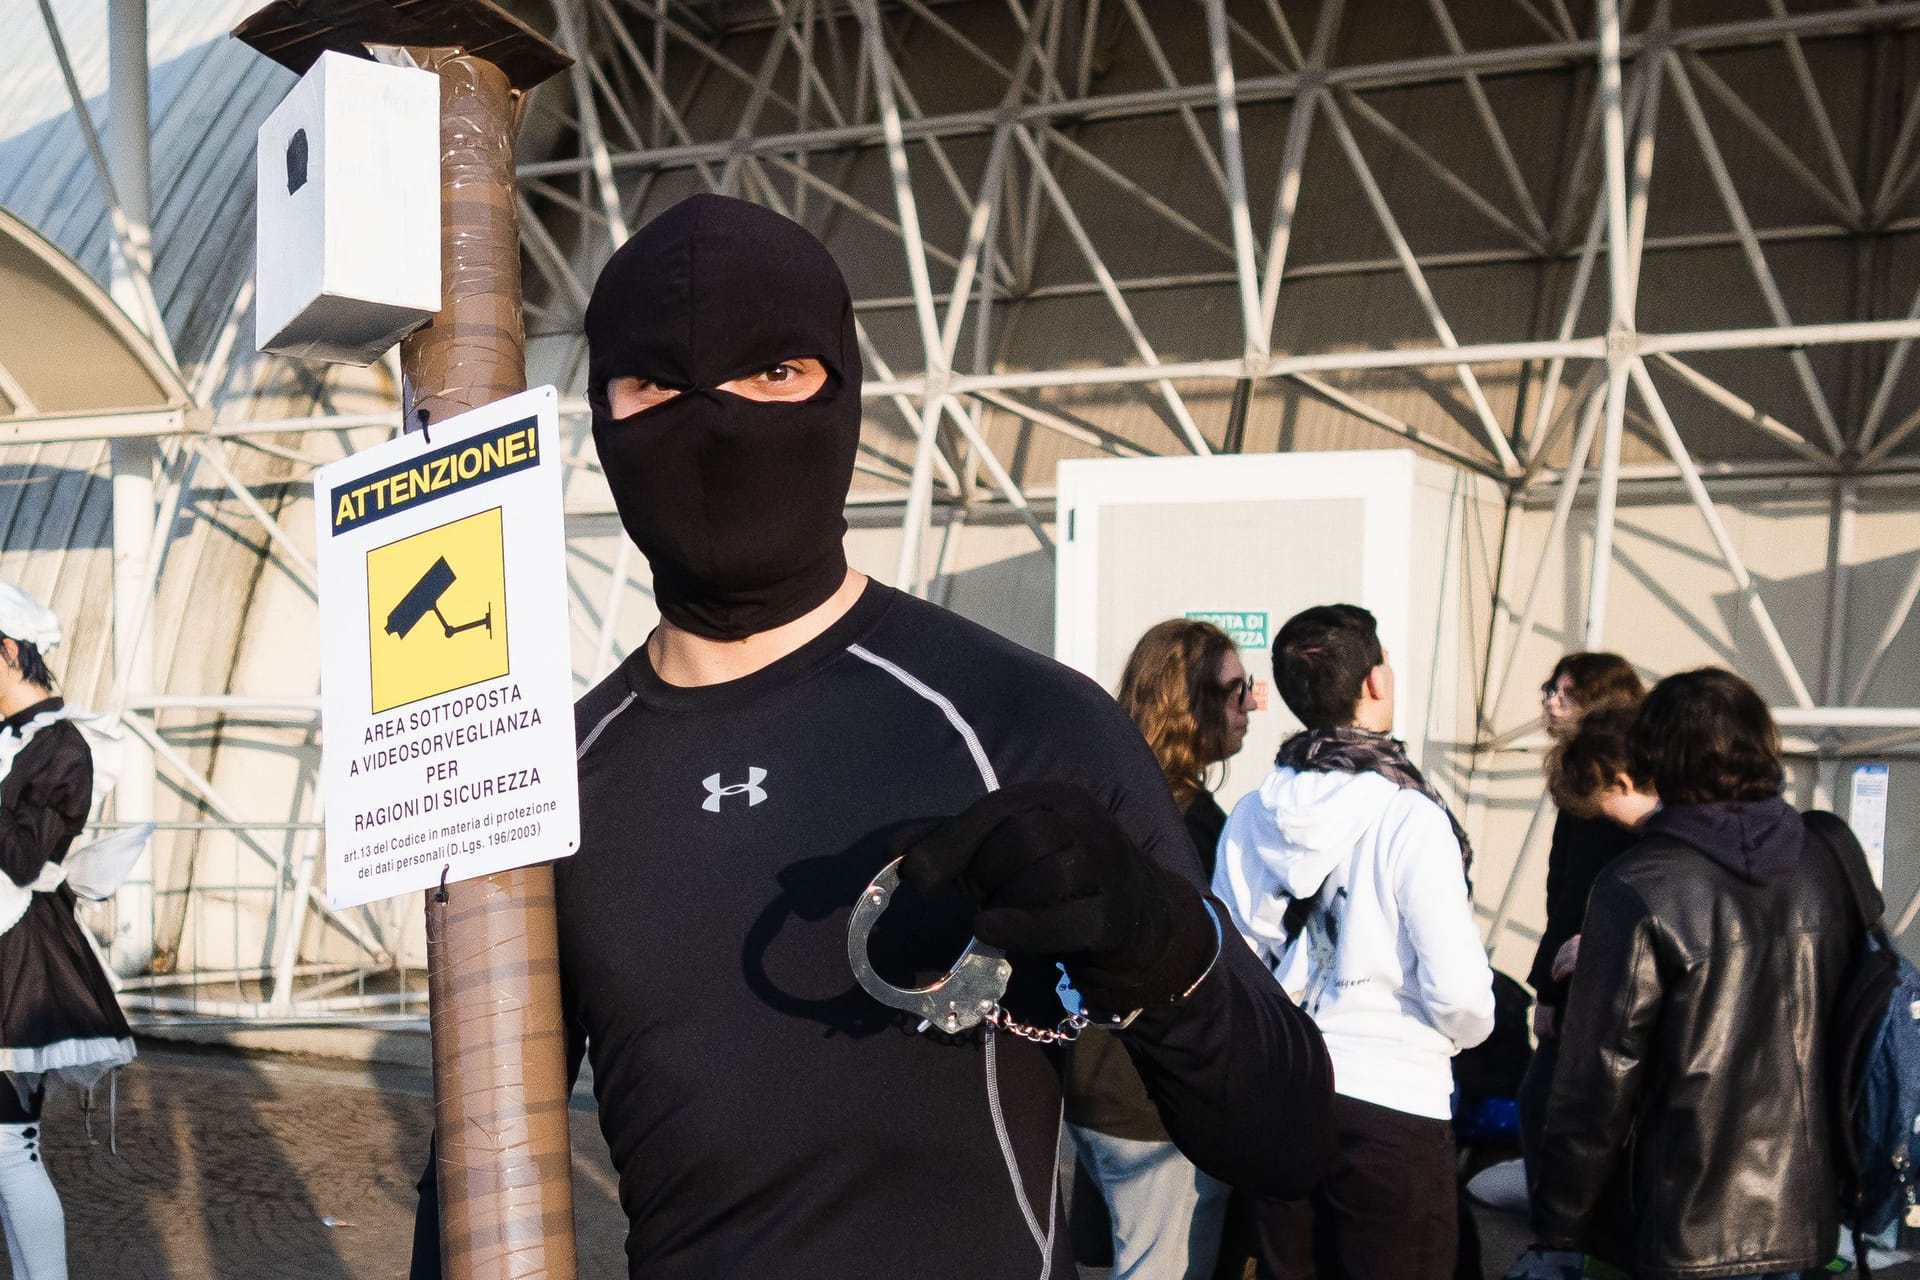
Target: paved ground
x: 238, y: 1167
x: 241, y: 1167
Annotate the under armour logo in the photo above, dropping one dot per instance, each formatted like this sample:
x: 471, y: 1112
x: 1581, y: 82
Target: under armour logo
x: 754, y: 792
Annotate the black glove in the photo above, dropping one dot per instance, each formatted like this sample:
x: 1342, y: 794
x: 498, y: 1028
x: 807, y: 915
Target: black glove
x: 1052, y: 874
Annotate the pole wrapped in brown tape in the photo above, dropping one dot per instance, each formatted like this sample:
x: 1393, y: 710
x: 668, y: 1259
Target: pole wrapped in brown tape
x: 493, y: 968
x: 475, y: 351
x: 499, y: 1080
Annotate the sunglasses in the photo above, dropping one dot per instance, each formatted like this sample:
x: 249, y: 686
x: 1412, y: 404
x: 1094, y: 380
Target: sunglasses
x: 1241, y: 688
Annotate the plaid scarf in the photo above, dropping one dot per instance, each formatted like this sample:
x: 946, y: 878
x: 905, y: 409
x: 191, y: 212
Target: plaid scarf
x: 1350, y: 749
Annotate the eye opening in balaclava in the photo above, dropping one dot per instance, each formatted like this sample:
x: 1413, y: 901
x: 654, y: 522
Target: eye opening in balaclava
x: 828, y: 386
x: 738, y: 504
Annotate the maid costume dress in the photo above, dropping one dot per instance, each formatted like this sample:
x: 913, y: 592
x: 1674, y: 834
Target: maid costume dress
x: 58, y: 1014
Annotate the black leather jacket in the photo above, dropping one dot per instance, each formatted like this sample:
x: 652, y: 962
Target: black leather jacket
x: 1688, y: 1133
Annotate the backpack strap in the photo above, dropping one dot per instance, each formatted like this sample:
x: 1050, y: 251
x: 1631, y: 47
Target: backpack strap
x: 1844, y: 847
x: 1870, y: 985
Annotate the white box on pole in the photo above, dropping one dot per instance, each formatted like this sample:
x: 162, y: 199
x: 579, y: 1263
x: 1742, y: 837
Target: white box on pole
x: 347, y: 211
x: 446, y: 691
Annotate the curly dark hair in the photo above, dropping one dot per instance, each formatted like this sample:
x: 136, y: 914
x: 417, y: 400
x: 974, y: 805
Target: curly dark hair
x: 1704, y: 736
x: 1599, y: 680
x: 1581, y: 766
x: 1171, y: 689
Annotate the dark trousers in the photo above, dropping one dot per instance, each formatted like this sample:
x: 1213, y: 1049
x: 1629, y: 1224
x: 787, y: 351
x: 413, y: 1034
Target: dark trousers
x: 1535, y: 1088
x: 1387, y: 1207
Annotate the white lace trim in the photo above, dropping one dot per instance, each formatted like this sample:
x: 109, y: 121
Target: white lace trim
x: 81, y: 1061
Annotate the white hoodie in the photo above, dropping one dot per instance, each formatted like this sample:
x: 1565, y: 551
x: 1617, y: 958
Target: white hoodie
x: 1390, y: 965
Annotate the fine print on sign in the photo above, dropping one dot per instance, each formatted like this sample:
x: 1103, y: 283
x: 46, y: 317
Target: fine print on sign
x: 1867, y: 815
x: 446, y: 691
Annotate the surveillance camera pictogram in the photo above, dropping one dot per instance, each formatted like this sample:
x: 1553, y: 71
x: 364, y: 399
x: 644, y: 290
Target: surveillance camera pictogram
x: 424, y: 598
x: 455, y: 575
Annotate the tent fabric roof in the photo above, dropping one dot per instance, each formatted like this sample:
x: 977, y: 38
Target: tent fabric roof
x: 207, y: 93
x: 66, y: 348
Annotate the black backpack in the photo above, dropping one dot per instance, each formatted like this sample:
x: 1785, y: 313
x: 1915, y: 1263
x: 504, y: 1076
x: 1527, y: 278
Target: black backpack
x: 1874, y: 1058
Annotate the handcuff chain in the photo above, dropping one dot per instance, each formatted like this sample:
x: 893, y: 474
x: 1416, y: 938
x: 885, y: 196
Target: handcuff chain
x: 1066, y: 1032
x: 1069, y: 1028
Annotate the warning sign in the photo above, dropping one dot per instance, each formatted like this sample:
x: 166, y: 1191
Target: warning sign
x: 414, y: 649
x: 446, y: 689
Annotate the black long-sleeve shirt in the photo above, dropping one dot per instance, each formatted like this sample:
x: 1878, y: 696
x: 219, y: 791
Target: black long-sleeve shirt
x: 765, y: 1115
x: 1581, y: 850
x: 46, y: 794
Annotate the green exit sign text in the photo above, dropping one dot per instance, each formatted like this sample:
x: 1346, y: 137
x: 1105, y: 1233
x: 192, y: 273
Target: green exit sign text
x: 1246, y: 627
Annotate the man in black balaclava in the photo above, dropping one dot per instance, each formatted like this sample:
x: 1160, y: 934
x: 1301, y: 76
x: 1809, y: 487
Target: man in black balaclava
x: 725, y: 385
x: 789, y: 728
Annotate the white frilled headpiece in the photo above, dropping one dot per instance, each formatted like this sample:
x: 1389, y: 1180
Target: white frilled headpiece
x: 24, y: 618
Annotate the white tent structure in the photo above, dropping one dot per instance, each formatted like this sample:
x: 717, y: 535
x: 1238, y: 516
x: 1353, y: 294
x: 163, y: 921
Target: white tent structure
x: 1648, y: 266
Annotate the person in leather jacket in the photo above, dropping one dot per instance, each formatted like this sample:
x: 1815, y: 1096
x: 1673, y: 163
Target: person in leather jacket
x: 1688, y: 1132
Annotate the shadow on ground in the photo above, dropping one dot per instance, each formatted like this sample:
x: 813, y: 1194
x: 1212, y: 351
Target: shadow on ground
x: 240, y: 1166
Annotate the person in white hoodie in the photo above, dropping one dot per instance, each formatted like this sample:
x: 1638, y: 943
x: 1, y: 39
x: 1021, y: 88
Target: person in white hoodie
x: 1347, y: 873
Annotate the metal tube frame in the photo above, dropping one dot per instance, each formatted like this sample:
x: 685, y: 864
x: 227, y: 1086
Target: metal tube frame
x: 834, y: 79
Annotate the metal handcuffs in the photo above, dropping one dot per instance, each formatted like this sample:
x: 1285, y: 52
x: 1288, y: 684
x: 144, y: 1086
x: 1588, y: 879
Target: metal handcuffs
x: 970, y: 993
x: 967, y: 995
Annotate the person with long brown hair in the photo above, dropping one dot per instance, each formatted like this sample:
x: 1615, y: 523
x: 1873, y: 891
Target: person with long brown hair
x: 1582, y: 846
x: 1186, y: 688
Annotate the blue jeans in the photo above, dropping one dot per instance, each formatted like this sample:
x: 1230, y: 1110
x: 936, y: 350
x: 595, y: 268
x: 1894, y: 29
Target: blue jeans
x: 1166, y: 1213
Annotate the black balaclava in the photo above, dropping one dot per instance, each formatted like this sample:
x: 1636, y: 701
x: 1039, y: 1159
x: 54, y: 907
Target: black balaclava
x: 740, y: 506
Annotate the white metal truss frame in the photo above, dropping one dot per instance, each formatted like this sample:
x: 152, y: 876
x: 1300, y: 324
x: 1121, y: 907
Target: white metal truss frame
x: 847, y: 79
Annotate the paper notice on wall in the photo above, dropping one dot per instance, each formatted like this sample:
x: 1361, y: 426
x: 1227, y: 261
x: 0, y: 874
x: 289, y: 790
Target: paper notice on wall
x: 1867, y: 815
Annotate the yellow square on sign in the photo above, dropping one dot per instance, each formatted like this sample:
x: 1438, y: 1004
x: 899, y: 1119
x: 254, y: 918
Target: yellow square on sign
x: 437, y: 610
